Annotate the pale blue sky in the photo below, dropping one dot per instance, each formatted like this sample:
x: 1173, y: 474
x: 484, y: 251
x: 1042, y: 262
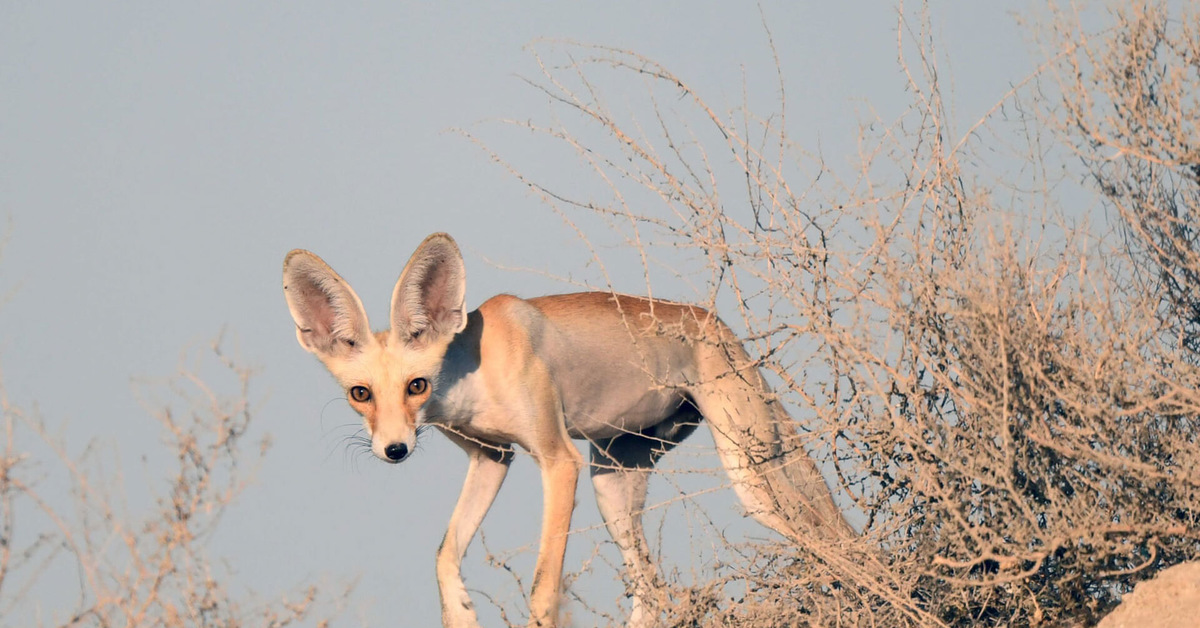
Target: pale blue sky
x: 157, y: 161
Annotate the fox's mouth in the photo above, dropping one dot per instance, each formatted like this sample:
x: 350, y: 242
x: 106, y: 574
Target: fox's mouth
x: 400, y: 449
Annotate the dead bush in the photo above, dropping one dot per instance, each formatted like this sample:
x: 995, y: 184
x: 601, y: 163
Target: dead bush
x: 1004, y: 390
x: 63, y: 512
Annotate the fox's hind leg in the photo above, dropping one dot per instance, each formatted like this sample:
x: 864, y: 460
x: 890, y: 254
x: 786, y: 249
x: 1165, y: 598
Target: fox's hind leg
x: 620, y: 469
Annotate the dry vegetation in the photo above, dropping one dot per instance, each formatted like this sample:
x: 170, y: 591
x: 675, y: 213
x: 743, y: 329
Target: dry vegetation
x: 996, y: 365
x: 82, y: 557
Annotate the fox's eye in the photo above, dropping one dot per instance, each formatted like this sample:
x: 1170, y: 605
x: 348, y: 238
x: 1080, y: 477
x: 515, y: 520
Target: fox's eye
x: 417, y: 386
x: 361, y: 394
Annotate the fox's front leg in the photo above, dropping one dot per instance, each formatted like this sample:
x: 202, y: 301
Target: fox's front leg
x: 484, y: 477
x: 560, y: 475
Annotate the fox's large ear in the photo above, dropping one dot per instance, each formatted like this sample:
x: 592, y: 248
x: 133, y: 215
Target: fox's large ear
x: 429, y: 298
x: 330, y: 320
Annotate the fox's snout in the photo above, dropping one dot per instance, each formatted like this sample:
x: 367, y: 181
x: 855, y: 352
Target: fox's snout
x: 393, y: 448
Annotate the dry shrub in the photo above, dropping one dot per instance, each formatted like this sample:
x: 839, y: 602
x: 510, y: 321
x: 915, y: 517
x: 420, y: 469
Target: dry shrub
x: 136, y: 567
x: 1131, y: 106
x: 1005, y: 395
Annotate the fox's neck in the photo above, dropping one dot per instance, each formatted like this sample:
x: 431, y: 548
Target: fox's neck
x: 459, y: 383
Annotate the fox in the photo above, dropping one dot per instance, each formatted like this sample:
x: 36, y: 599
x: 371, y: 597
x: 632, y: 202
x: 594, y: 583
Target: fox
x: 632, y: 376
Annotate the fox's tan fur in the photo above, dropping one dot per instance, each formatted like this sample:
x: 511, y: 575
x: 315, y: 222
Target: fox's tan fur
x: 630, y: 375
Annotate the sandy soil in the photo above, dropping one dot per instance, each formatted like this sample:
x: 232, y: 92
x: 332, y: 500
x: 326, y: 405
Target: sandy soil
x: 1170, y: 600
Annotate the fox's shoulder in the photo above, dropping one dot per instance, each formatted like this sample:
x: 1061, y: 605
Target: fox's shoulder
x: 509, y: 319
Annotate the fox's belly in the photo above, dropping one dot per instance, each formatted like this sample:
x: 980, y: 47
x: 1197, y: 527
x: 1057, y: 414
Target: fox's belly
x: 614, y: 414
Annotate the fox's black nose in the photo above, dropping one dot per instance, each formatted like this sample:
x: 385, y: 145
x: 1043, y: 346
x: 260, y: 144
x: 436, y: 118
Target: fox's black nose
x: 396, y: 451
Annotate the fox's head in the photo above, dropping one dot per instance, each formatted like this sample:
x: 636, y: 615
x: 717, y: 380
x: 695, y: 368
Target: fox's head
x: 389, y: 375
